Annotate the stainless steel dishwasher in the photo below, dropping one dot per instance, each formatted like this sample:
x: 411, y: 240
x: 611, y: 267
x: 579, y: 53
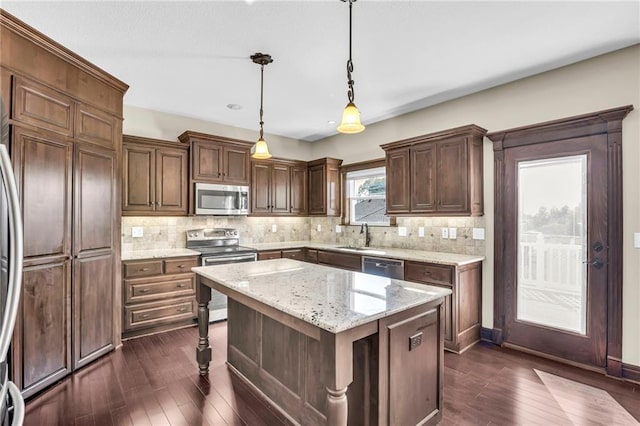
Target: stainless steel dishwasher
x: 383, y: 267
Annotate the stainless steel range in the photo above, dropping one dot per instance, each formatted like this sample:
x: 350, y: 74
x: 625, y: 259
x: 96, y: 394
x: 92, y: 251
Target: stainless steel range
x: 218, y: 246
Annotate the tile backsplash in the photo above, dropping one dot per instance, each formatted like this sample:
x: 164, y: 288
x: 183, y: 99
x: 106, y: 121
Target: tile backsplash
x: 170, y: 232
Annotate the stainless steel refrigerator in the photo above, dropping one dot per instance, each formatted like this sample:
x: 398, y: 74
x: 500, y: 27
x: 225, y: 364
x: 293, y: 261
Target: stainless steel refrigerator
x: 11, y: 401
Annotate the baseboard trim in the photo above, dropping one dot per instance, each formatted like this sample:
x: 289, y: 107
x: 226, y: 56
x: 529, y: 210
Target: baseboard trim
x: 631, y: 373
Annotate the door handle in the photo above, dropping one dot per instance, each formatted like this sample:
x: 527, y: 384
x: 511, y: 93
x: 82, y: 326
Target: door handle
x: 596, y: 263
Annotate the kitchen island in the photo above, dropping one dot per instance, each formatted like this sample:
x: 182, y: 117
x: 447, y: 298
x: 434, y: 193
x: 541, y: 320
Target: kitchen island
x: 329, y: 346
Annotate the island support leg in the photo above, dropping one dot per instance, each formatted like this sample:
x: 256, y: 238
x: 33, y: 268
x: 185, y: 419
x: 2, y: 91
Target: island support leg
x: 338, y: 374
x: 203, y: 350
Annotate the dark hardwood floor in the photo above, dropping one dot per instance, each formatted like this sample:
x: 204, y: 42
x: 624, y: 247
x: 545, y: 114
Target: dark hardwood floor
x: 154, y: 380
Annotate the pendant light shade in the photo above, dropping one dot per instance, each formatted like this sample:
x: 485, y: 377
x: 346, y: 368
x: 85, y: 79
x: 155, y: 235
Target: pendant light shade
x: 350, y: 116
x: 260, y: 149
x: 350, y: 120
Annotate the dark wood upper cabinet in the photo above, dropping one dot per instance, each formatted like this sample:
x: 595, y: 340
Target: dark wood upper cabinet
x: 154, y: 177
x: 216, y: 159
x: 96, y: 127
x: 436, y: 174
x: 276, y: 185
x: 43, y: 166
x: 324, y: 187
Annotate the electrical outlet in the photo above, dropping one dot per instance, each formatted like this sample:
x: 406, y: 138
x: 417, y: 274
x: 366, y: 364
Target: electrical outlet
x: 478, y: 233
x: 402, y: 231
x: 636, y: 239
x: 274, y: 228
x: 137, y: 231
x: 338, y: 229
x: 445, y: 233
x: 318, y: 227
x: 421, y: 231
x: 453, y: 233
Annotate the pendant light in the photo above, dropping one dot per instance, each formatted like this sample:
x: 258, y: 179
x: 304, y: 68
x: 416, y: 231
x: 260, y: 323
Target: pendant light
x: 260, y: 149
x: 350, y: 117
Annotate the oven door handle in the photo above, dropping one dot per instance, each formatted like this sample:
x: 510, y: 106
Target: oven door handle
x: 227, y: 259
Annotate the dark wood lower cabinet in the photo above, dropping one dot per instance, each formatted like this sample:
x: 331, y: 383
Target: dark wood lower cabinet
x: 350, y: 261
x: 42, y: 342
x: 463, y: 308
x: 93, y: 279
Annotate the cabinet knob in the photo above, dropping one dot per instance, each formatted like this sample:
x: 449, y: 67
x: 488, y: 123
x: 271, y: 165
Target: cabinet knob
x: 180, y: 285
x: 219, y: 174
x: 150, y: 203
x: 224, y: 174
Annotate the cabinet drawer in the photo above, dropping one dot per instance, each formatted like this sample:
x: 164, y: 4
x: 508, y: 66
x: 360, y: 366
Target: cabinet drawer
x: 311, y: 255
x: 266, y: 255
x: 179, y: 266
x: 428, y: 273
x: 293, y: 254
x: 352, y: 262
x: 145, y: 290
x: 152, y: 314
x: 144, y: 268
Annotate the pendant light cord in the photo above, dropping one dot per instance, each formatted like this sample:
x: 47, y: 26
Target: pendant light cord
x: 261, y: 97
x: 350, y: 82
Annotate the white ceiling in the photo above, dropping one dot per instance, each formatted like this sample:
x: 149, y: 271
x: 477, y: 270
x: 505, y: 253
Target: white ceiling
x: 192, y: 58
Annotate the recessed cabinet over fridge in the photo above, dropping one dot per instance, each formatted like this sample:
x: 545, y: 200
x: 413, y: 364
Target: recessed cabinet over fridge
x: 436, y: 174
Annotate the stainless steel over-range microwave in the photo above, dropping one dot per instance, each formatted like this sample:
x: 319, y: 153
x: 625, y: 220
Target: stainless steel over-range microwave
x: 213, y: 199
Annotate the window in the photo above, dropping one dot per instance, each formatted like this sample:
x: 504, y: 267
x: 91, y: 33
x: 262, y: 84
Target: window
x: 365, y: 192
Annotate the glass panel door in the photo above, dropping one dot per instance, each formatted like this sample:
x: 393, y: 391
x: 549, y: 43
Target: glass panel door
x: 552, y: 243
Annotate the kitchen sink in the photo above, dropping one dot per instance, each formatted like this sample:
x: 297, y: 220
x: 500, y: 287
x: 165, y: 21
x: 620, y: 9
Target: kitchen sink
x: 367, y: 250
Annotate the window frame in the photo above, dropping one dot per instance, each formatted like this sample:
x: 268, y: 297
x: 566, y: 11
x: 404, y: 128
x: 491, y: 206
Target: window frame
x: 345, y: 217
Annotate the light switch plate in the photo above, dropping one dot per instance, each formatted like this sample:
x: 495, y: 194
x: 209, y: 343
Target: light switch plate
x: 453, y: 233
x: 421, y: 231
x: 445, y: 232
x: 338, y: 229
x: 478, y: 233
x: 402, y: 231
x: 318, y: 227
x: 137, y: 231
x: 274, y: 228
x: 636, y: 239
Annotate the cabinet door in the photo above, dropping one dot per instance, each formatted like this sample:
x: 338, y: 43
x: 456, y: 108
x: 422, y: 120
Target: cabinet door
x: 398, y: 197
x: 171, y: 181
x: 138, y: 185
x: 333, y: 189
x: 452, y: 178
x: 93, y: 295
x: 236, y: 165
x: 95, y: 213
x: 317, y: 190
x: 43, y: 168
x: 280, y: 188
x: 207, y: 162
x: 299, y: 190
x: 297, y: 254
x: 42, y: 338
x: 260, y: 188
x: 423, y: 178
x: 96, y: 126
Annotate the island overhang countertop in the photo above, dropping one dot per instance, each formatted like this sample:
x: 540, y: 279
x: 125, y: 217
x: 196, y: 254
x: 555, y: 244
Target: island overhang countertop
x: 332, y: 299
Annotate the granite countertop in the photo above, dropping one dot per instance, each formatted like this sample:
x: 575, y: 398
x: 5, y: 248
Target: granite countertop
x: 452, y: 259
x: 156, y: 253
x: 329, y: 298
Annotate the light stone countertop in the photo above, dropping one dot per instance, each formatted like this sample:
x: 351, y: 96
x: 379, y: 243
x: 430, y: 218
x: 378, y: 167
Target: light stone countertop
x: 157, y: 253
x: 442, y: 258
x: 332, y: 299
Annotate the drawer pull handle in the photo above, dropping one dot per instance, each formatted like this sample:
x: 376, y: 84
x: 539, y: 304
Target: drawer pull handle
x: 180, y: 285
x: 144, y: 316
x: 143, y: 269
x: 181, y: 266
x: 144, y: 290
x: 182, y: 309
x: 427, y: 273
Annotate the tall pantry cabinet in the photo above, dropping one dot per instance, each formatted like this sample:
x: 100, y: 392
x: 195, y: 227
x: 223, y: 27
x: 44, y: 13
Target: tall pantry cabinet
x: 66, y: 136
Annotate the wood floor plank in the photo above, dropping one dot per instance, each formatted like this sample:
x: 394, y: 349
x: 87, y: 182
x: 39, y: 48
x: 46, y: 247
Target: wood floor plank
x: 153, y: 380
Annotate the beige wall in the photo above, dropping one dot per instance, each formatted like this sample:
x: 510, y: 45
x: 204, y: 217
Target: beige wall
x: 161, y: 125
x: 604, y: 82
x: 607, y: 81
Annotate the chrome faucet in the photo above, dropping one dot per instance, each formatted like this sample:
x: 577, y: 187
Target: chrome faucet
x: 364, y: 229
